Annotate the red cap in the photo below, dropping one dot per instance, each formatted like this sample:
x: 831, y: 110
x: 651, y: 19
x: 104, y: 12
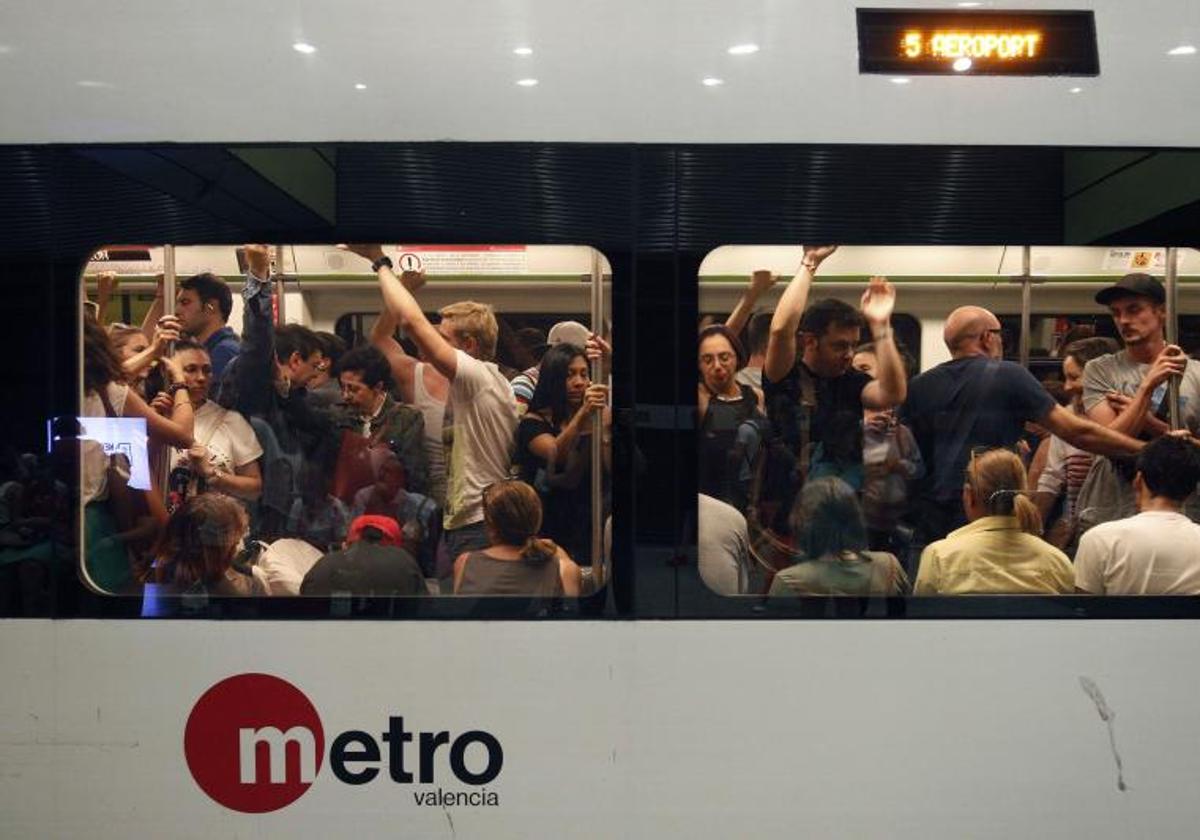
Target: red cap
x: 387, y: 526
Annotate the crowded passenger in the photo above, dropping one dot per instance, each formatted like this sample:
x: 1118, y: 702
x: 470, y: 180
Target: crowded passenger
x: 814, y: 398
x: 203, y: 304
x: 731, y: 419
x: 1127, y: 391
x: 757, y: 327
x: 891, y: 459
x: 197, y: 550
x: 831, y: 537
x: 1000, y: 550
x: 1157, y: 550
x: 723, y: 547
x: 388, y: 496
x: 1065, y: 467
x: 461, y: 348
x: 515, y: 560
x: 118, y: 516
x: 979, y: 400
x: 225, y: 452
x: 324, y: 390
x: 383, y: 424
x: 375, y: 562
x: 564, y: 332
x: 553, y: 449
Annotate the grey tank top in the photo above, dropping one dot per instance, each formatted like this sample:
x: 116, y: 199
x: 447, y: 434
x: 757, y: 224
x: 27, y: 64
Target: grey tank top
x: 485, y: 575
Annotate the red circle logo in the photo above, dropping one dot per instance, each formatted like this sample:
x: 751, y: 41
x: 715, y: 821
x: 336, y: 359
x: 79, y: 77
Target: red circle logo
x: 254, y: 743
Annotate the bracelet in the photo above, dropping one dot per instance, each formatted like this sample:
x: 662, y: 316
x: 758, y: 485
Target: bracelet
x: 883, y: 335
x: 175, y: 387
x: 381, y: 262
x: 811, y: 266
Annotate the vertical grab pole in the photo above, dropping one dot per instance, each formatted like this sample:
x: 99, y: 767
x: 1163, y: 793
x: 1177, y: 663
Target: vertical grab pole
x: 164, y: 452
x: 597, y: 324
x: 1172, y: 329
x: 280, y: 307
x: 1026, y: 305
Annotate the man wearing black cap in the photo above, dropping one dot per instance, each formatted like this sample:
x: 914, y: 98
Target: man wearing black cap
x: 1127, y: 390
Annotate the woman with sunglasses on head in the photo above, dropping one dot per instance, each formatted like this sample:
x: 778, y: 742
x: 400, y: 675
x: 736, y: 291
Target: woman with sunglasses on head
x: 731, y: 418
x: 517, y: 561
x: 999, y: 551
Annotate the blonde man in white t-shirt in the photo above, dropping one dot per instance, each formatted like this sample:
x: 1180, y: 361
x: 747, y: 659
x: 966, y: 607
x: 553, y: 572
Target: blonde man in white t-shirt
x: 461, y: 348
x: 1157, y: 551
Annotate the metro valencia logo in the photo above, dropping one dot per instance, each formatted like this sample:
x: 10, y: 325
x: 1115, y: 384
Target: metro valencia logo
x: 255, y: 743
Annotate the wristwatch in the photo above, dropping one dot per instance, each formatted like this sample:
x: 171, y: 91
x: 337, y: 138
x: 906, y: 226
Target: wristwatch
x: 381, y: 262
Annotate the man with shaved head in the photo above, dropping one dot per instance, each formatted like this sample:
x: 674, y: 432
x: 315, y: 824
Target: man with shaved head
x: 978, y: 400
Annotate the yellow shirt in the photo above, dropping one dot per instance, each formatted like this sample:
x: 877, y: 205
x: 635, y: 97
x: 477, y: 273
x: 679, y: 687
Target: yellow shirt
x: 991, y: 556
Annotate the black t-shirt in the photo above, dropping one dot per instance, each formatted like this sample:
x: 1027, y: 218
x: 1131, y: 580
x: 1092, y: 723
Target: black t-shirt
x: 967, y: 403
x: 566, y: 492
x: 836, y: 423
x: 366, y: 569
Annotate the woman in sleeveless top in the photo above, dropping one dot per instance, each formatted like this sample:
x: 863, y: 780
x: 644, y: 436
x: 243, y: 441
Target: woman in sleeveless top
x: 730, y: 419
x: 833, y: 538
x: 554, y: 441
x: 517, y: 561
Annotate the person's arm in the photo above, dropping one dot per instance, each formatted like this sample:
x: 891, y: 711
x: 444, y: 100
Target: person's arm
x: 175, y: 430
x: 155, y: 311
x: 106, y: 284
x: 245, y: 483
x: 1038, y: 463
x: 781, y: 343
x: 165, y: 331
x: 570, y: 575
x: 254, y: 372
x: 460, y: 566
x: 1089, y: 435
x: 760, y: 282
x: 556, y: 449
x: 1132, y: 418
x: 890, y: 386
x: 405, y: 309
x: 404, y: 366
x: 1053, y: 479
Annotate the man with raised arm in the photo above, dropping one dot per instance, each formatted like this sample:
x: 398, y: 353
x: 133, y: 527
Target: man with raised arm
x: 814, y: 398
x: 461, y: 348
x: 759, y: 332
x: 977, y: 400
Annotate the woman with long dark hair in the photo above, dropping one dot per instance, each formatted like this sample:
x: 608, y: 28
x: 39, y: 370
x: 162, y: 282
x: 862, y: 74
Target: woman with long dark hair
x: 553, y: 445
x: 197, y: 549
x: 517, y: 560
x: 115, y: 514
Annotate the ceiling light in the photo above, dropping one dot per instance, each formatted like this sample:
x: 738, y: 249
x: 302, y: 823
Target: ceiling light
x: 523, y: 51
x: 710, y: 81
x: 92, y: 83
x: 359, y: 86
x: 962, y: 65
x: 302, y: 47
x: 527, y: 82
x: 743, y: 49
x: 1182, y: 49
x: 900, y: 80
x: 1075, y: 90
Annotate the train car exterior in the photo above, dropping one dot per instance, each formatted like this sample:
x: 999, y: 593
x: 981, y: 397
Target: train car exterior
x: 653, y: 707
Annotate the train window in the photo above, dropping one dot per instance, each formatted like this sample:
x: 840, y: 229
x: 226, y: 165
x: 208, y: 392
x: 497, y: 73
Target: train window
x: 345, y: 421
x: 826, y: 465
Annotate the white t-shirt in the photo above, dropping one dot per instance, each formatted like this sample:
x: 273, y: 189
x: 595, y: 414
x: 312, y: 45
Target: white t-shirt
x: 229, y: 439
x: 1153, y: 553
x: 484, y: 426
x: 92, y: 454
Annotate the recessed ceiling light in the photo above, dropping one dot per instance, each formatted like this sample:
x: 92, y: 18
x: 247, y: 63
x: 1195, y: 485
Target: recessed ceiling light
x: 92, y: 83
x: 359, y: 86
x: 527, y: 82
x: 5, y: 48
x: 743, y: 49
x: 523, y: 51
x: 962, y: 65
x: 1182, y: 49
x: 302, y: 47
x: 711, y: 81
x: 1075, y: 90
x: 900, y: 80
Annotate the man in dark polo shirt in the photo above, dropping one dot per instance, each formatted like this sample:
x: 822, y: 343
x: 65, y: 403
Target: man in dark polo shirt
x: 977, y: 400
x: 814, y: 397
